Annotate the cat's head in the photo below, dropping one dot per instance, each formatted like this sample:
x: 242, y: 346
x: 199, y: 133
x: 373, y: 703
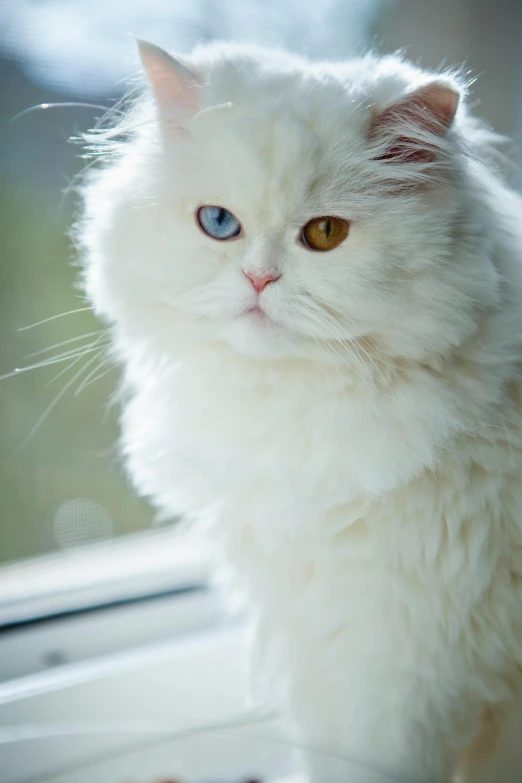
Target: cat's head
x: 283, y: 206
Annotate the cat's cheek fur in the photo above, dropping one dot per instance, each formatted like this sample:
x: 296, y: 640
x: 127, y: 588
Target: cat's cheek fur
x: 365, y: 494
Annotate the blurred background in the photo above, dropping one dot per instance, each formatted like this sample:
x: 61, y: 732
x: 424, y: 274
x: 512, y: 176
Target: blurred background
x: 61, y: 484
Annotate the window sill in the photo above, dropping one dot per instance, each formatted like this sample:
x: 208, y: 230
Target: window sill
x: 155, y: 562
x: 178, y: 708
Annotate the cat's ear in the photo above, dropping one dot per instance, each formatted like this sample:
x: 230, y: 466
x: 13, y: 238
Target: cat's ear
x: 174, y: 87
x: 411, y: 127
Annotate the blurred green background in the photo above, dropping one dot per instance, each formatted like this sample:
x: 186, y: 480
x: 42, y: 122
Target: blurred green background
x: 63, y: 486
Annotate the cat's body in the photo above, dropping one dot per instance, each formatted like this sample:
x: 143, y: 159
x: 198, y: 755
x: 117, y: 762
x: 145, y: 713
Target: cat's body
x: 358, y: 448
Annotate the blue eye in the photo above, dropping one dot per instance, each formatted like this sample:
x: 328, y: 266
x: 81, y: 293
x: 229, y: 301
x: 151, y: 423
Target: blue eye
x: 218, y: 222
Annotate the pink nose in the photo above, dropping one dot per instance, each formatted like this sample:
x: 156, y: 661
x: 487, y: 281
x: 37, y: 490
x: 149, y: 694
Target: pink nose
x: 260, y: 282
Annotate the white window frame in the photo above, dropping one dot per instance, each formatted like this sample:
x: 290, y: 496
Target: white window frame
x: 156, y: 680
x: 152, y: 562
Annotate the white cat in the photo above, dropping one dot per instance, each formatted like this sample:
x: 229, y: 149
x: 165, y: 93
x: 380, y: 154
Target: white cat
x: 313, y: 274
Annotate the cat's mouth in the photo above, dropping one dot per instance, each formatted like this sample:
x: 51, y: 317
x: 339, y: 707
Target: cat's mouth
x: 256, y: 314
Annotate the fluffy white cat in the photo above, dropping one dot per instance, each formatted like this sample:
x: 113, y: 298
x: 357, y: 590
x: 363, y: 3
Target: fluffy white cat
x: 313, y: 273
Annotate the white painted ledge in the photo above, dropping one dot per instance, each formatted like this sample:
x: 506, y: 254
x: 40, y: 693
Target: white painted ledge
x: 152, y: 562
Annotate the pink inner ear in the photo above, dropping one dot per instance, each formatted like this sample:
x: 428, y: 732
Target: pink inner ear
x: 174, y: 86
x: 408, y: 150
x: 430, y: 109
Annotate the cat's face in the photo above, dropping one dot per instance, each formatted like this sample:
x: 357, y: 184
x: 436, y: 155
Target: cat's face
x: 267, y: 208
x: 259, y: 245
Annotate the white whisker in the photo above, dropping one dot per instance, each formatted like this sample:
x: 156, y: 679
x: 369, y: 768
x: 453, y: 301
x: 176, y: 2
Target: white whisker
x: 321, y: 319
x: 53, y: 318
x: 356, y: 344
x: 51, y: 406
x: 95, y: 374
x: 48, y: 362
x: 94, y: 346
x: 63, y: 342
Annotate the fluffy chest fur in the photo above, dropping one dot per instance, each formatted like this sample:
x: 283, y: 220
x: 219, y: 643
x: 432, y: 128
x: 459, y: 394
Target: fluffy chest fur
x: 309, y: 464
x: 359, y: 524
x: 307, y: 436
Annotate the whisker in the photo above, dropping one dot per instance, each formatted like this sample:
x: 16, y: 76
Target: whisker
x: 94, y: 346
x: 75, y: 359
x: 63, y: 342
x: 31, y: 731
x: 95, y: 375
x: 323, y: 346
x: 70, y: 186
x: 52, y: 405
x: 342, y: 341
x: 47, y: 362
x: 357, y: 346
x: 53, y: 318
x: 59, y: 105
x: 334, y: 346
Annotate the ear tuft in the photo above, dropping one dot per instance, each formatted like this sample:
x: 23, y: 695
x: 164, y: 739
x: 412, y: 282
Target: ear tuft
x: 174, y: 86
x: 426, y: 112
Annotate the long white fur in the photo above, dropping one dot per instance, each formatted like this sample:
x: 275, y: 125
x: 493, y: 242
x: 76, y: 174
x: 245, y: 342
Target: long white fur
x: 359, y: 460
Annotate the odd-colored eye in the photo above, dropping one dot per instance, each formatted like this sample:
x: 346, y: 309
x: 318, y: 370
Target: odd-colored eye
x: 218, y: 222
x: 324, y: 233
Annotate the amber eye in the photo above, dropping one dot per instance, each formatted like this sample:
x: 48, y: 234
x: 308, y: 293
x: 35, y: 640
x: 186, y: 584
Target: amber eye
x: 324, y: 233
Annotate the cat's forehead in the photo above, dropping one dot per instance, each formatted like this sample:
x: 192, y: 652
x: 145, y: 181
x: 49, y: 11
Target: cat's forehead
x: 320, y: 92
x: 320, y: 102
x: 283, y: 137
x: 261, y: 161
x: 275, y: 151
